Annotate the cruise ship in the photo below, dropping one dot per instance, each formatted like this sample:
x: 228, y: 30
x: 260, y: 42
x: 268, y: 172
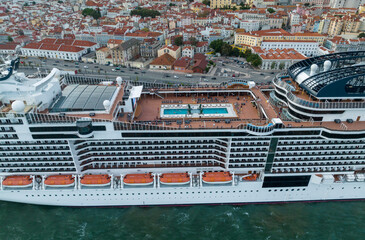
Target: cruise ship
x: 70, y: 140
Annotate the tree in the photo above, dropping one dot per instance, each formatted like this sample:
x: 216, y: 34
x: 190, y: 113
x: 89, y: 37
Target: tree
x: 193, y: 41
x: 91, y: 12
x: 234, y: 8
x: 33, y: 3
x: 144, y: 12
x: 235, y: 52
x: 270, y: 10
x: 60, y: 2
x: 178, y: 41
x: 306, y: 4
x: 172, y: 4
x: 216, y: 45
x: 361, y: 35
x: 10, y: 39
x: 26, y: 5
x: 244, y: 6
x: 145, y: 29
x: 206, y: 2
x: 273, y: 65
x: 281, y: 66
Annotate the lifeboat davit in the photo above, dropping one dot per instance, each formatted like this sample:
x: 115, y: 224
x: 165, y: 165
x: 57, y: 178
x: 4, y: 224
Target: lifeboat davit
x: 59, y: 181
x: 175, y: 178
x: 18, y: 181
x: 95, y: 180
x: 217, y: 177
x: 251, y: 177
x: 138, y: 179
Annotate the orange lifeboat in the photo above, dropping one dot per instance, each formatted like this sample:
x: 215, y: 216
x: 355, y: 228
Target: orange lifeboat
x: 175, y: 178
x: 95, y: 180
x: 217, y: 177
x: 138, y: 179
x: 251, y: 177
x: 18, y: 181
x: 59, y: 181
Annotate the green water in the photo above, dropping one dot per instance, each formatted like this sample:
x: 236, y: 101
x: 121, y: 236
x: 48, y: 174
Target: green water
x: 332, y: 220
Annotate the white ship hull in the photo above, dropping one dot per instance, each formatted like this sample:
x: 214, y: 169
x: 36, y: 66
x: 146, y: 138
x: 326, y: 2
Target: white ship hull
x: 243, y: 193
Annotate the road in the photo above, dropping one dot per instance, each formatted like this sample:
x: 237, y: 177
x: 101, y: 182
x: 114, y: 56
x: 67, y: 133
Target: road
x: 31, y: 65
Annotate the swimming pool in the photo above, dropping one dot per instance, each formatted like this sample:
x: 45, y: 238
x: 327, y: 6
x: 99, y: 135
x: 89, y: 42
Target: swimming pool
x: 184, y: 111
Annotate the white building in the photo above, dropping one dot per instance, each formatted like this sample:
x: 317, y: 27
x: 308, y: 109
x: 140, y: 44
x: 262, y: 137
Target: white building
x: 66, y: 49
x: 188, y: 51
x: 307, y: 48
x: 295, y: 18
x: 250, y: 25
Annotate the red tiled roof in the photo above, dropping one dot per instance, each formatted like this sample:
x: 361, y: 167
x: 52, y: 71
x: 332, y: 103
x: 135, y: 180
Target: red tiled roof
x: 182, y: 62
x: 165, y: 59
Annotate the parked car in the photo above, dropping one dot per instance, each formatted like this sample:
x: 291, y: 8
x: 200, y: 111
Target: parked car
x: 86, y: 66
x: 117, y: 68
x: 214, y: 78
x: 135, y: 72
x: 113, y: 70
x: 121, y: 70
x: 176, y: 77
x: 188, y: 75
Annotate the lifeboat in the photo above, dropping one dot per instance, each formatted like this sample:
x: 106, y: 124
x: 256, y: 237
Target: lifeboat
x: 251, y: 177
x: 138, y: 179
x: 217, y: 177
x: 18, y: 181
x: 175, y: 178
x: 59, y: 181
x: 95, y: 180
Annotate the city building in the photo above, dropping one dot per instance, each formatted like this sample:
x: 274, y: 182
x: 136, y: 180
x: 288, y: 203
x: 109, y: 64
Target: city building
x: 126, y: 51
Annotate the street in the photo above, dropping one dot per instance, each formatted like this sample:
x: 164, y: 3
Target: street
x: 223, y: 72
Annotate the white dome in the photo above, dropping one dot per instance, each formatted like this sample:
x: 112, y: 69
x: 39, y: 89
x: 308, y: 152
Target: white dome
x: 314, y: 69
x: 18, y: 106
x: 327, y: 65
x: 106, y: 104
x: 119, y: 80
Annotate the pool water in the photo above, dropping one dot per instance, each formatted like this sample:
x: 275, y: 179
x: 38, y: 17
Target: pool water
x: 205, y: 111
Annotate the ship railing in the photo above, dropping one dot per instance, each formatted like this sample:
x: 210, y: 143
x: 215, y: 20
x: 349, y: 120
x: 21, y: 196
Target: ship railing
x: 317, y: 105
x: 36, y: 118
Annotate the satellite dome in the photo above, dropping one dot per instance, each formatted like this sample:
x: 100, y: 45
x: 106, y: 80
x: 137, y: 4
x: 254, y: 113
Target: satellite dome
x: 18, y: 106
x: 327, y: 65
x: 314, y: 69
x: 106, y: 104
x: 119, y: 80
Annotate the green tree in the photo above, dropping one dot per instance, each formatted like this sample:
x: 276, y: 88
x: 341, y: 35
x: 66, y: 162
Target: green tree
x: 193, y: 41
x: 361, y: 35
x: 235, y: 52
x: 144, y: 12
x: 178, y: 41
x: 281, y: 66
x: 145, y: 29
x: 172, y: 4
x: 91, y: 12
x: 60, y: 2
x: 244, y: 6
x: 234, y: 8
x: 226, y: 49
x: 273, y: 65
x: 216, y: 45
x: 306, y: 4
x: 26, y: 5
x: 33, y: 3
x: 270, y: 10
x: 10, y: 39
x: 206, y: 2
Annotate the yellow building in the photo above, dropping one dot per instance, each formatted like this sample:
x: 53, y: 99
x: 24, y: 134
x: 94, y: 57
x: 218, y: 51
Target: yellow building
x: 255, y: 38
x: 220, y: 3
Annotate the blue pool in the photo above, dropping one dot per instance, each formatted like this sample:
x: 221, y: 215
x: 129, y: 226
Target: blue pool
x: 205, y: 111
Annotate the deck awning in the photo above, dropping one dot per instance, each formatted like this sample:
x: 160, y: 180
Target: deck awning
x: 136, y: 92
